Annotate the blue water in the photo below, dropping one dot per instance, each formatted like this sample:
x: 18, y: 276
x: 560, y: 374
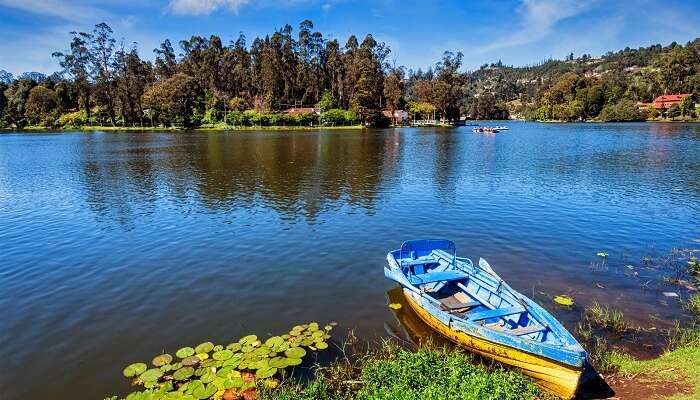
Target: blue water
x: 114, y: 246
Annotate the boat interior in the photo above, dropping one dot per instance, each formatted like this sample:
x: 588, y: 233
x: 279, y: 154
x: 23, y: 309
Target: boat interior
x: 474, y: 294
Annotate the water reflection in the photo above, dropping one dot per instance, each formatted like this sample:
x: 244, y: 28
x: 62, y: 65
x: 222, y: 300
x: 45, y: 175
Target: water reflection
x: 296, y: 175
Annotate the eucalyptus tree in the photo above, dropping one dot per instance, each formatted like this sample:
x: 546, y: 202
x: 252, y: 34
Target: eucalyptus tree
x: 76, y: 65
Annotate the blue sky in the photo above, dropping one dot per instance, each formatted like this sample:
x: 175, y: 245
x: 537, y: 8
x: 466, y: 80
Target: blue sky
x: 518, y: 32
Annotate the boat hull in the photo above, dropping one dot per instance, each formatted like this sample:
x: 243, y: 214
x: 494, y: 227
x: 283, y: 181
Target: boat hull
x: 558, y: 378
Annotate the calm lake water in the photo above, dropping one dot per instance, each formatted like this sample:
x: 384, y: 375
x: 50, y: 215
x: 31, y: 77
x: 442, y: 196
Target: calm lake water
x: 114, y: 246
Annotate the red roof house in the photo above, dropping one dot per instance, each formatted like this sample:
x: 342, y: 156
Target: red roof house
x: 666, y: 101
x: 303, y: 110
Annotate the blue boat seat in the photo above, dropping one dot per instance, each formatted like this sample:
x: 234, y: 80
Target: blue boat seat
x: 443, y: 276
x: 526, y: 330
x: 420, y: 261
x: 496, y: 313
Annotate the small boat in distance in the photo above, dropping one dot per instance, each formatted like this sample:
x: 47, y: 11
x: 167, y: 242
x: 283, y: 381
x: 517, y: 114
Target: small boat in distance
x: 485, y: 129
x: 502, y: 128
x: 474, y: 308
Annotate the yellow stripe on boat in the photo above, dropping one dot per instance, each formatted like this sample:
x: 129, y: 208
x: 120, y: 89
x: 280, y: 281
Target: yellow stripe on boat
x: 558, y: 378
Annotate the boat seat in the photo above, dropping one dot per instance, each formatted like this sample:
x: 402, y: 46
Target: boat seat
x: 458, y: 302
x: 495, y: 313
x: 443, y: 276
x: 420, y: 261
x: 526, y: 330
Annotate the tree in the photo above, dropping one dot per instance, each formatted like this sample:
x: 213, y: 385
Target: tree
x: 166, y: 62
x: 17, y: 94
x: 394, y: 90
x: 674, y: 111
x: 327, y: 101
x: 103, y: 65
x: 42, y: 106
x: 76, y: 64
x: 623, y: 111
x: 687, y: 106
x: 175, y: 100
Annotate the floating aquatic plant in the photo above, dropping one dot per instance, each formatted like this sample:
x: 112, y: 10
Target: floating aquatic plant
x: 162, y: 360
x: 564, y: 300
x: 215, y: 371
x: 134, y: 369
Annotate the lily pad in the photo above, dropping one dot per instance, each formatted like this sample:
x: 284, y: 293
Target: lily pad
x: 234, y: 347
x: 278, y: 362
x: 151, y: 375
x: 274, y: 342
x: 234, y: 382
x: 205, y: 347
x: 222, y: 355
x: 185, y: 352
x: 190, y: 361
x: 564, y: 300
x: 263, y: 373
x: 183, y: 373
x: 134, y: 369
x: 218, y: 347
x: 291, y: 361
x: 321, y: 345
x: 295, y: 352
x: 202, y: 356
x: 162, y: 359
x: 204, y: 392
x: 248, y: 340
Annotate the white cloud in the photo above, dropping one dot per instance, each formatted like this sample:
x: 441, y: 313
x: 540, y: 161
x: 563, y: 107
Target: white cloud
x: 538, y: 20
x: 56, y: 8
x: 204, y: 7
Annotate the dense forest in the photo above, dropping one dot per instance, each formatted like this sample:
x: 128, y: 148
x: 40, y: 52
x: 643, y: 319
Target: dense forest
x: 206, y: 82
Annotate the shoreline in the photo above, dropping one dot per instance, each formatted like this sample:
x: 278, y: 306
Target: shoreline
x: 302, y: 128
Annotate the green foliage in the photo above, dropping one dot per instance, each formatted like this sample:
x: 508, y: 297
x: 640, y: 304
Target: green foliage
x: 175, y: 100
x: 327, y: 101
x: 202, y: 375
x: 337, y: 117
x: 622, y: 111
x: 74, y: 119
x: 395, y: 373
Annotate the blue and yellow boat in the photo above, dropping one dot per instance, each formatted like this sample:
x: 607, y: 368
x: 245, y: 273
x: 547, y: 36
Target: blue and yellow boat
x: 474, y: 308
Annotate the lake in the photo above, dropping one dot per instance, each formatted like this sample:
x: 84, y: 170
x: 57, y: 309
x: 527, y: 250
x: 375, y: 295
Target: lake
x: 115, y: 246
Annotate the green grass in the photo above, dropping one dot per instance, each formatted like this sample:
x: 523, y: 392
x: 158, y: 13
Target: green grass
x: 693, y: 304
x: 679, y: 364
x: 393, y: 373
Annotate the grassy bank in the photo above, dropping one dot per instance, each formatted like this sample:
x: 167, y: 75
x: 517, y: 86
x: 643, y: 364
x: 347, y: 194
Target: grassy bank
x: 673, y: 375
x: 217, y: 127
x: 396, y: 373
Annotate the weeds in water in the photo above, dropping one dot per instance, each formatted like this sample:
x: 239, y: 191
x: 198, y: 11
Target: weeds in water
x: 693, y: 305
x: 681, y: 337
x: 602, y: 317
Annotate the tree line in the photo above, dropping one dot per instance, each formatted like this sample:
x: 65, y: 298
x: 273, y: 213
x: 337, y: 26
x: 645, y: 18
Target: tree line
x: 204, y: 82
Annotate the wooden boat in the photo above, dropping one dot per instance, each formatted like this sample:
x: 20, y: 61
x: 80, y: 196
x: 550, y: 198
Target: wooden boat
x: 473, y: 307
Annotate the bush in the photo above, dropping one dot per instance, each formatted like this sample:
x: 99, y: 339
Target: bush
x: 307, y: 119
x: 76, y: 119
x: 337, y: 117
x: 376, y: 119
x: 622, y: 111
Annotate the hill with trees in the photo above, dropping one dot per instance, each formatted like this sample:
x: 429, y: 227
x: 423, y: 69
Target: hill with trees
x: 206, y: 82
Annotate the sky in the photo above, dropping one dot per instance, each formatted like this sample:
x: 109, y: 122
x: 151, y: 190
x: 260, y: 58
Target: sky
x: 518, y: 32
